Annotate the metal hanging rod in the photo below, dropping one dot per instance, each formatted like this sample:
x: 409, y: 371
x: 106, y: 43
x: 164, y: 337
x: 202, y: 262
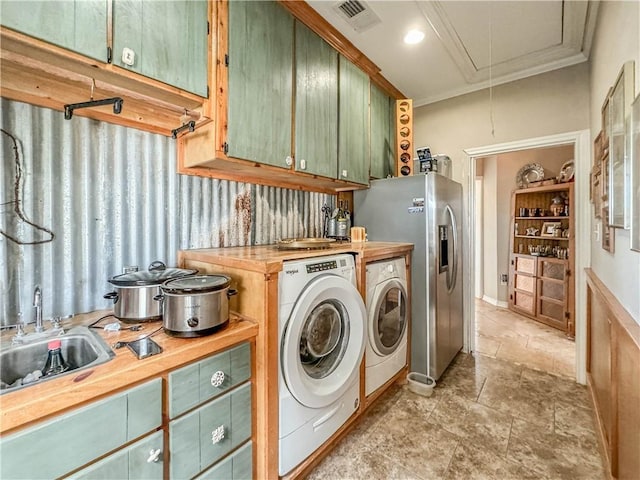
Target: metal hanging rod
x: 191, y: 126
x: 116, y: 101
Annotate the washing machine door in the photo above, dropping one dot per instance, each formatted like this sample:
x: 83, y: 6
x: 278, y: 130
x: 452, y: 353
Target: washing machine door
x: 323, y: 341
x: 388, y: 317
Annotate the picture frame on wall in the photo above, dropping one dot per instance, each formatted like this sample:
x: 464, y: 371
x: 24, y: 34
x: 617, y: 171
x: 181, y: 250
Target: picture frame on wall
x: 619, y: 107
x: 634, y: 157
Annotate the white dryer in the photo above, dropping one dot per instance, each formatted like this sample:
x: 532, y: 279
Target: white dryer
x: 321, y: 327
x: 386, y: 351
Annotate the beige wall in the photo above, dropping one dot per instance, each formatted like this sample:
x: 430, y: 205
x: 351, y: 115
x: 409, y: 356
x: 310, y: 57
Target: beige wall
x: 546, y: 104
x: 497, y: 192
x: 616, y: 40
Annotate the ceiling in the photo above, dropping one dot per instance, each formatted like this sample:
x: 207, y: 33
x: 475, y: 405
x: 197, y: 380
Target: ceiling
x: 468, y: 45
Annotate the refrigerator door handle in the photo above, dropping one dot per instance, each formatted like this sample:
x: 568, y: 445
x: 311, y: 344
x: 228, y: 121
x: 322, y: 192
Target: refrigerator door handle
x: 453, y: 271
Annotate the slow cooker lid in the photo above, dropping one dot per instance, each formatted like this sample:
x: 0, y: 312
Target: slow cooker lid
x: 196, y: 284
x: 157, y: 274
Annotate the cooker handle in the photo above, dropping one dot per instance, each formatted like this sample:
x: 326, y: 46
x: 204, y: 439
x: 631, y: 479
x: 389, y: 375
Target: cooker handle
x: 157, y: 265
x: 159, y: 297
x: 111, y: 296
x: 231, y: 292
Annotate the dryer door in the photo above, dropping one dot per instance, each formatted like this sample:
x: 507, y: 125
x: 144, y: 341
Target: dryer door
x: 388, y: 317
x: 323, y: 341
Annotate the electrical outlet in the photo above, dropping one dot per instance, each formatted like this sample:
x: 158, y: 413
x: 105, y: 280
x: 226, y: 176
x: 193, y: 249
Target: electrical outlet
x: 503, y: 279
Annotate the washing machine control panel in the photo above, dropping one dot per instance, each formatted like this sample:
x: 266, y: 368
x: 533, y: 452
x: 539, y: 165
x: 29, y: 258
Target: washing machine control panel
x: 323, y: 266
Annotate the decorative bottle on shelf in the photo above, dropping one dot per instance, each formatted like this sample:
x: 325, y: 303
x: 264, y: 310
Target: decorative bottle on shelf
x: 55, y: 363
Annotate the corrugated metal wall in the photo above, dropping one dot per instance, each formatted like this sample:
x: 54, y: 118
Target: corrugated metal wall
x: 112, y: 197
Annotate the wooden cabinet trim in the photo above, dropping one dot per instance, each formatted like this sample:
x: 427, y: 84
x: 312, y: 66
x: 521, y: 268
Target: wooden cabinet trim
x: 618, y: 417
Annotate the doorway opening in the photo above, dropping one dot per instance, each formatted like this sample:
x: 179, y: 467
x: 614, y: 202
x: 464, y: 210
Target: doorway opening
x: 512, y: 307
x: 580, y: 143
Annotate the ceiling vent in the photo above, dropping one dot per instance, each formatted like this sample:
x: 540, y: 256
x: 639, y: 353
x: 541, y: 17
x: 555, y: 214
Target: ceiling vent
x: 358, y: 14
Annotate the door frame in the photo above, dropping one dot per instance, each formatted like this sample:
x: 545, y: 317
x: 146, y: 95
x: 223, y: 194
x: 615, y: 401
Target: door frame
x: 581, y: 141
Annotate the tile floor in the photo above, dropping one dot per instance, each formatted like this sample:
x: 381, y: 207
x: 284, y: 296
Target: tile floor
x: 496, y: 414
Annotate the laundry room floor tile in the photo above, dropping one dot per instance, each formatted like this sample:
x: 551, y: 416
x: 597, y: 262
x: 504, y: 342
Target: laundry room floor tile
x: 488, y: 418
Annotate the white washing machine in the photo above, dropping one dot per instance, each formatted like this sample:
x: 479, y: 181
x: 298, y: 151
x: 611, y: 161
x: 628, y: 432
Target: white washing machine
x: 387, y: 318
x: 322, y: 328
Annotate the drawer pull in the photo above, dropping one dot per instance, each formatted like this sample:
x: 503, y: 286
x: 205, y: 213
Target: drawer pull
x: 217, y: 435
x: 154, y: 455
x: 217, y: 379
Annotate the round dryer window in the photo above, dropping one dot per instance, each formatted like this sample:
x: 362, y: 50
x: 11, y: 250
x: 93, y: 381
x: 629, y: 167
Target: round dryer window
x: 323, y: 341
x: 390, y: 317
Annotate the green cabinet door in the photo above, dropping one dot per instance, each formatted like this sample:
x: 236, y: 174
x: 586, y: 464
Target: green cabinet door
x: 141, y: 460
x: 353, y: 123
x: 382, y: 144
x: 80, y: 26
x: 166, y: 41
x: 260, y: 82
x: 316, y: 118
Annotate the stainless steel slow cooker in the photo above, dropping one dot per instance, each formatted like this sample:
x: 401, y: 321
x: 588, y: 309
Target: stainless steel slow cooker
x: 134, y: 292
x: 195, y: 306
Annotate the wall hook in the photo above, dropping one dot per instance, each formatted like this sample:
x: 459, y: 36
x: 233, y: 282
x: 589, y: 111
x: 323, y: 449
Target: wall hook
x: 191, y: 126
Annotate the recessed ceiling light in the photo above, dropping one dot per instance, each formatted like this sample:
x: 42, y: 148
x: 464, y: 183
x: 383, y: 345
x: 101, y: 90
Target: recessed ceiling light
x: 413, y: 36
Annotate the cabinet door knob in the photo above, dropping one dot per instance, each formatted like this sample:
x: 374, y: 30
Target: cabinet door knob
x: 217, y: 379
x: 217, y: 435
x: 288, y: 160
x: 154, y: 455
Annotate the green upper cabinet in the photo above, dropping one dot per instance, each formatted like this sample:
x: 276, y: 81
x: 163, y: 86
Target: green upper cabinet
x: 80, y: 26
x: 382, y: 134
x: 316, y: 118
x: 353, y: 114
x: 260, y: 95
x: 167, y: 41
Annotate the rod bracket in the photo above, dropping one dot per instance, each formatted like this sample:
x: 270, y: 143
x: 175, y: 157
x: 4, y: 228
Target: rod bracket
x: 115, y: 101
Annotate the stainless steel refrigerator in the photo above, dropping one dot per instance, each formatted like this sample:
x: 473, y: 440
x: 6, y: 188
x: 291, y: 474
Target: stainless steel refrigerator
x: 425, y: 210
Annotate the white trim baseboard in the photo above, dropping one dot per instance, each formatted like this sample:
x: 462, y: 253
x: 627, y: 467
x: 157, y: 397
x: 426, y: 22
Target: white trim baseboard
x: 495, y: 302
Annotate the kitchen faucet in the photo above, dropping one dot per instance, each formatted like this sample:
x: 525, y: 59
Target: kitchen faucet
x: 37, y: 303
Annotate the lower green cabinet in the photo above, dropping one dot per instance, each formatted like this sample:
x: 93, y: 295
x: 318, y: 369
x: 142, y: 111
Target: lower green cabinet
x: 143, y: 459
x: 202, y: 437
x: 237, y: 466
x: 211, y: 435
x: 58, y: 446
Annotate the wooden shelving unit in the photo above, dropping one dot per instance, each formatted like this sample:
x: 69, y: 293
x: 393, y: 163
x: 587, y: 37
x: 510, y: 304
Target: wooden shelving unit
x: 541, y: 284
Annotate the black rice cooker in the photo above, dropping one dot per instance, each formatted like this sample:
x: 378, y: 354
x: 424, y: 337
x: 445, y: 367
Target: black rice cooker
x: 195, y: 306
x: 134, y: 292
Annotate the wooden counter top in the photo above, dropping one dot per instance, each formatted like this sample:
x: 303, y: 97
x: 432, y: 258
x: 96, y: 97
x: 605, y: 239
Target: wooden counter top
x: 38, y: 402
x: 269, y: 258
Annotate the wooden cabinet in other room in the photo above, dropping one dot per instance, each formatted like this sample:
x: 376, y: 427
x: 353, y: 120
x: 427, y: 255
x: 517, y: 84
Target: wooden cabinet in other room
x: 541, y: 283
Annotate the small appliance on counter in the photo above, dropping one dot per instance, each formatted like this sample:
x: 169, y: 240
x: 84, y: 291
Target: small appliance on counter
x: 195, y: 306
x: 134, y: 291
x: 337, y: 225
